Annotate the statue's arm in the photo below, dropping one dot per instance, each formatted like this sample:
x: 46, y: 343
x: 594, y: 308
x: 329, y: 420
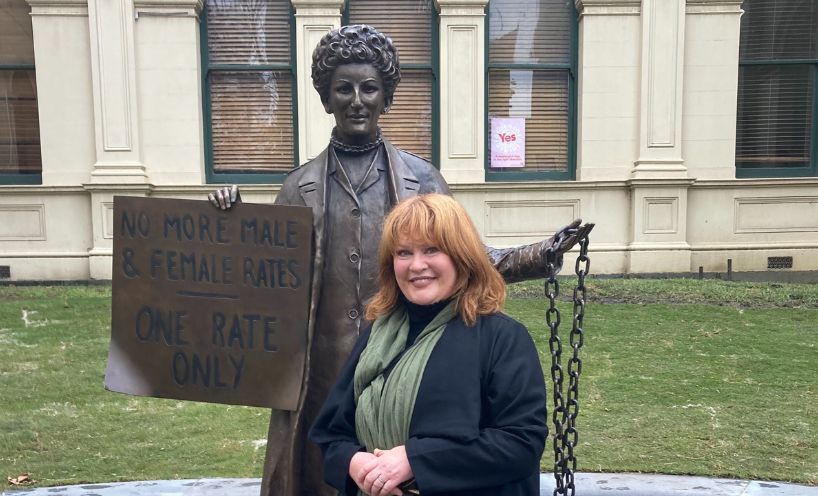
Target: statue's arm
x: 521, y: 262
x: 532, y: 261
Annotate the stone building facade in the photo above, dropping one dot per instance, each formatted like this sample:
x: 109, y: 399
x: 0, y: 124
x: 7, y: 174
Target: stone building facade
x: 654, y: 101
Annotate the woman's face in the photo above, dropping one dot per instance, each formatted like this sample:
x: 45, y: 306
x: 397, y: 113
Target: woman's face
x: 356, y: 100
x: 425, y: 275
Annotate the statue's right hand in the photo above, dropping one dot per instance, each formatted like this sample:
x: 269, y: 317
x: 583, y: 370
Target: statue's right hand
x: 225, y: 197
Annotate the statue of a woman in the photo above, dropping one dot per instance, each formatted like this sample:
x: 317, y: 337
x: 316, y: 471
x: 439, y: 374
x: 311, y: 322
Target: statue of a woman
x: 350, y: 187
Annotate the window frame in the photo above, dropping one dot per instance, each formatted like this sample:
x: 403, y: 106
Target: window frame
x: 783, y: 172
x: 433, y: 67
x: 211, y: 176
x: 567, y: 174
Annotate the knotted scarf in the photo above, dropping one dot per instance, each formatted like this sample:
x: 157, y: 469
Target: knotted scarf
x: 384, y: 406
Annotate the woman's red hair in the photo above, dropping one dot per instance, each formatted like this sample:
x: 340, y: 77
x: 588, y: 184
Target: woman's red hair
x: 440, y: 221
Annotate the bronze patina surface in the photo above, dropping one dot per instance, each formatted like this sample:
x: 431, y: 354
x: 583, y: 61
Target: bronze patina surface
x: 210, y: 305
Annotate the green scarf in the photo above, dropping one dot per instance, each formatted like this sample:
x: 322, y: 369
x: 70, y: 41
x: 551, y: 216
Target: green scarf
x: 384, y: 407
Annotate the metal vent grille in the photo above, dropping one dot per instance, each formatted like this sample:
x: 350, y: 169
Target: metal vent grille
x: 5, y: 272
x: 779, y: 262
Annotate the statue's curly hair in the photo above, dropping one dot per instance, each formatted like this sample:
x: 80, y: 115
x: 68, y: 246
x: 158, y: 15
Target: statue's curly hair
x: 355, y: 44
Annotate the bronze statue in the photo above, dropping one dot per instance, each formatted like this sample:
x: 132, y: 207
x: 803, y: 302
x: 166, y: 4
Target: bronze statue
x: 350, y: 187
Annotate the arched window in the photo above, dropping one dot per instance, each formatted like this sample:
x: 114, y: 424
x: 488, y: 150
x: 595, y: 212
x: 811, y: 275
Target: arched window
x: 776, y: 130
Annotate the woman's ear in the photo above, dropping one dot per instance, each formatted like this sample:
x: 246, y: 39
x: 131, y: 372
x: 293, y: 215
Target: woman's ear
x: 326, y: 105
x: 387, y: 104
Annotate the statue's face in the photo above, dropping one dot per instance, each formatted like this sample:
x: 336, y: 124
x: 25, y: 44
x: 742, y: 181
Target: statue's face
x: 356, y: 100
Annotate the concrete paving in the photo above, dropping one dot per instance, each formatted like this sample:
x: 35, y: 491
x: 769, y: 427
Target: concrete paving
x: 587, y: 484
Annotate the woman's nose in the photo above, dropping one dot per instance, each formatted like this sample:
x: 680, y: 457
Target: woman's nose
x: 418, y: 262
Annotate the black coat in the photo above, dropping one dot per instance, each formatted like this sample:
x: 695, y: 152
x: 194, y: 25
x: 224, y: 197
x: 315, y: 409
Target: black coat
x: 479, y: 423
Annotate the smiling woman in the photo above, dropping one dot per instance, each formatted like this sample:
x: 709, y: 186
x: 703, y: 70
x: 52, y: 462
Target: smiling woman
x: 442, y: 394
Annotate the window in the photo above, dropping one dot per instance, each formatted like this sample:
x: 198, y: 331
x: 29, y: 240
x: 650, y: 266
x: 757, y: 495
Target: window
x: 778, y: 65
x: 249, y: 84
x: 411, y: 123
x: 20, y: 161
x: 531, y: 89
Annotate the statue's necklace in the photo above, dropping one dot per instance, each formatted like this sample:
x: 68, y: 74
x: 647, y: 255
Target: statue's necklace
x: 344, y: 147
x: 360, y: 180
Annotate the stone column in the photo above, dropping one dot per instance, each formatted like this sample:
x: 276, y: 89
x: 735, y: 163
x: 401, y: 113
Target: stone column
x: 608, y: 88
x: 660, y: 130
x: 113, y: 75
x: 660, y: 183
x: 313, y: 18
x: 713, y: 29
x: 64, y: 95
x: 169, y: 90
x: 462, y: 90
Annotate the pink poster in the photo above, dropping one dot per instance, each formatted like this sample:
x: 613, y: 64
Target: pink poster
x: 507, y: 142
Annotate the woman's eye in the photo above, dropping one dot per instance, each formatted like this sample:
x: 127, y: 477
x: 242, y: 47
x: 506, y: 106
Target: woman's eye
x: 432, y: 250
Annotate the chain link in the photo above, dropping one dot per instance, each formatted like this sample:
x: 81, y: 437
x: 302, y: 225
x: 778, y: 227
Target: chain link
x: 564, y: 416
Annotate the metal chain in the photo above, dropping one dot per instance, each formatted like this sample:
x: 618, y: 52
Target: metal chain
x: 564, y: 417
x: 558, y: 416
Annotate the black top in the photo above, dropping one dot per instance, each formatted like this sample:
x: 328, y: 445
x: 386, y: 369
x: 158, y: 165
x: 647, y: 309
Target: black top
x: 420, y: 316
x: 479, y: 423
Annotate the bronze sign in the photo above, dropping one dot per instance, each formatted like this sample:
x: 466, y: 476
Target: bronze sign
x: 210, y: 305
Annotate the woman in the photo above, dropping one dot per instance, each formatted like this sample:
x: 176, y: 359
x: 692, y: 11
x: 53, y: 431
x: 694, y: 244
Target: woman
x: 442, y: 392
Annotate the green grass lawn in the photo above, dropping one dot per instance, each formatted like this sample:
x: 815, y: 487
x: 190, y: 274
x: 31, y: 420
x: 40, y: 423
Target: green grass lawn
x: 679, y: 376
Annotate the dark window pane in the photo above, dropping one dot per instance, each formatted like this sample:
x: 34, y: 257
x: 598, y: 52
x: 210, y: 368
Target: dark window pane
x: 19, y: 121
x: 248, y: 32
x: 541, y: 97
x: 530, y: 31
x: 408, y: 124
x: 774, y: 123
x: 407, y: 22
x: 252, y: 124
x: 774, y: 116
x: 16, y: 41
x: 779, y: 29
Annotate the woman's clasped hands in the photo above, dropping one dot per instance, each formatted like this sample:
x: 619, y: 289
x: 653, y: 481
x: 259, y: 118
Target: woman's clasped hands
x: 381, y: 473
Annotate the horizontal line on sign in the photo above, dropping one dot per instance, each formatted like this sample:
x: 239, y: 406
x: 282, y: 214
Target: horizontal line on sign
x: 197, y: 294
